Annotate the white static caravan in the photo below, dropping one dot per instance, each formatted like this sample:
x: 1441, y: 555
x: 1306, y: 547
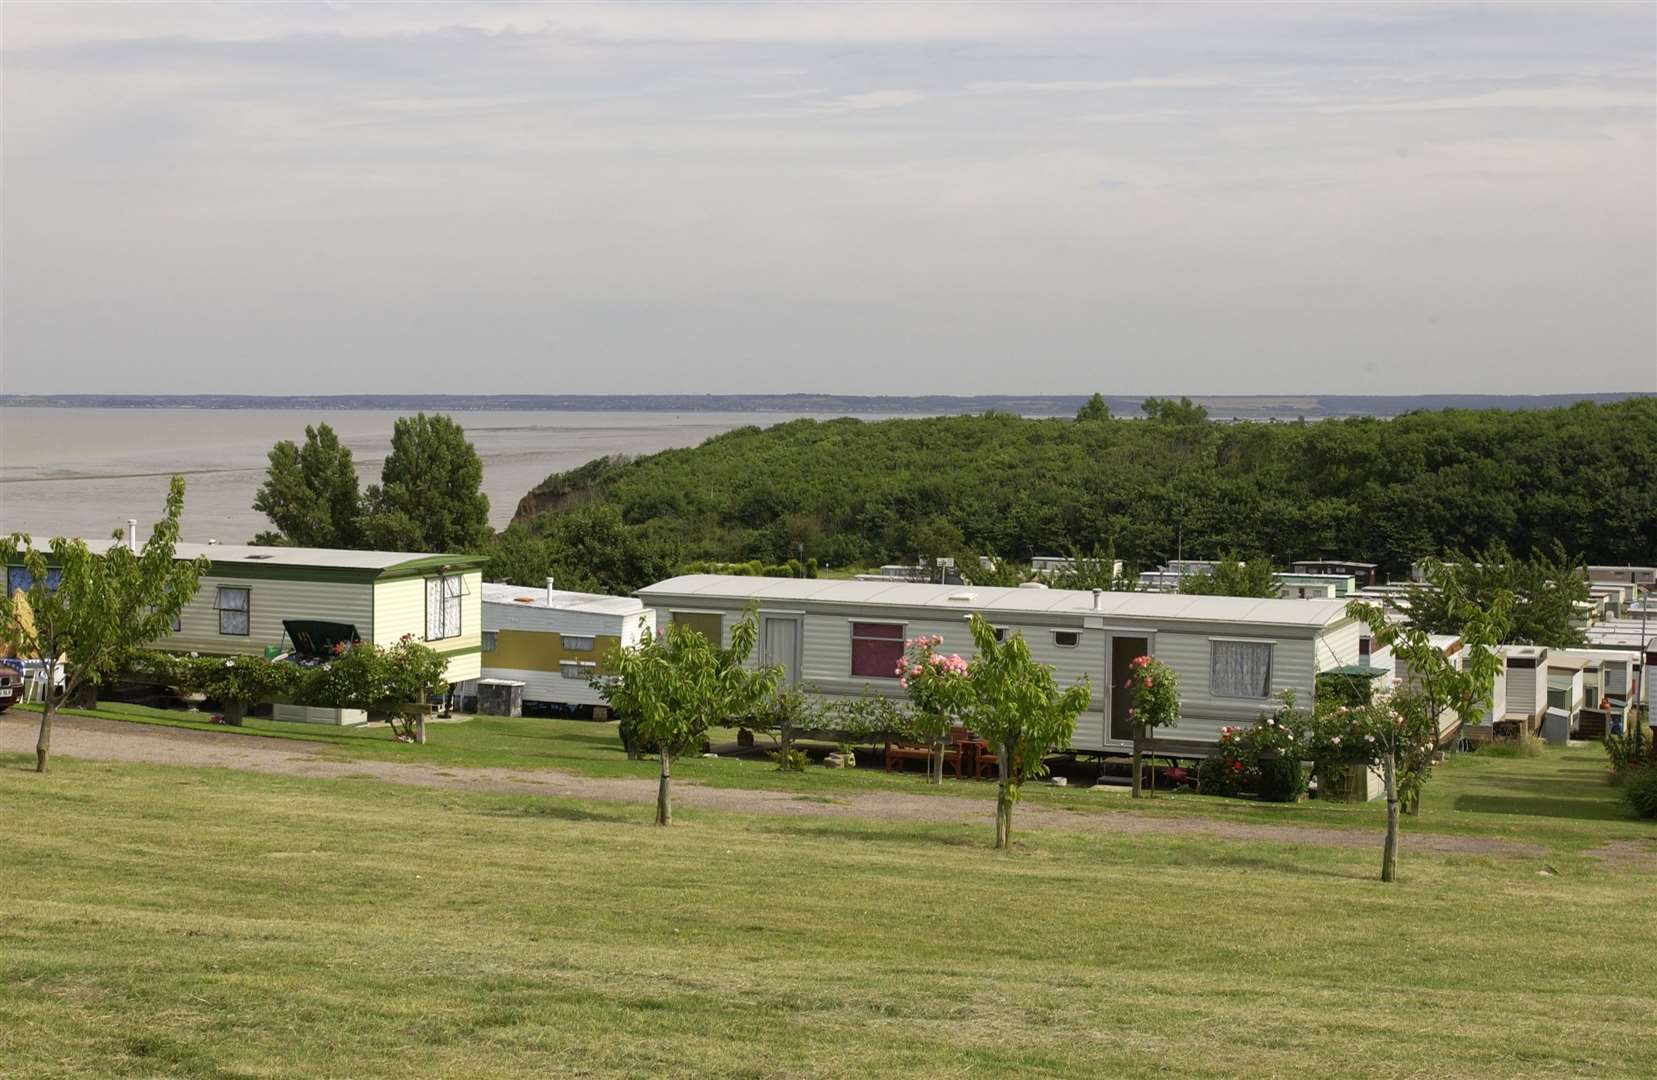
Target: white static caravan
x: 552, y: 640
x: 1233, y: 655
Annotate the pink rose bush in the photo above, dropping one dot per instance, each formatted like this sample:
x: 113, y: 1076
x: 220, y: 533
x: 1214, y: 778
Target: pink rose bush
x: 939, y: 686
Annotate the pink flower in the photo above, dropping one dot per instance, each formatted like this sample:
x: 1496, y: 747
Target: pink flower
x: 937, y: 639
x: 903, y: 683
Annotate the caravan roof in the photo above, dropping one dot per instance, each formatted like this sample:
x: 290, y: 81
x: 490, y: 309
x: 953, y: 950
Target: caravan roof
x: 986, y: 599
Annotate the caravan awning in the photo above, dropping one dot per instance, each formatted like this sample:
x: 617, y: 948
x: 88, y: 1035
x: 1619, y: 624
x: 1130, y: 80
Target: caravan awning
x: 313, y: 638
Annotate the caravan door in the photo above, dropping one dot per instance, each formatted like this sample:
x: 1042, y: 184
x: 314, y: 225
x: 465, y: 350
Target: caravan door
x: 780, y: 644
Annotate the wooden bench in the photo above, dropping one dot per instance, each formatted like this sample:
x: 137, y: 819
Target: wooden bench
x: 899, y: 752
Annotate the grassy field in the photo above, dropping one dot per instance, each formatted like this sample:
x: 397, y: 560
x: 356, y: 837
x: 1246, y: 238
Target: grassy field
x: 169, y: 921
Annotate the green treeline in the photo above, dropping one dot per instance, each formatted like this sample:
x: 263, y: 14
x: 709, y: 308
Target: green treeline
x: 848, y: 492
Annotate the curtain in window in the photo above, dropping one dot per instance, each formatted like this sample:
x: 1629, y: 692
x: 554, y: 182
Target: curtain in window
x: 451, y: 606
x: 434, y: 609
x: 1241, y: 669
x: 876, y: 649
x: 232, y: 605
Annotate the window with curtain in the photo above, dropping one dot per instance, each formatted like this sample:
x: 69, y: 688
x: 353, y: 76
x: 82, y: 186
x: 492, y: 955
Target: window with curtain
x: 232, y: 605
x: 574, y: 643
x: 1240, y: 669
x: 577, y: 669
x: 876, y: 649
x: 18, y: 579
x: 489, y: 641
x: 443, y: 606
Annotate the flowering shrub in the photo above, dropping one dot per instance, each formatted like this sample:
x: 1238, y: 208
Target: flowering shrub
x: 939, y: 688
x: 235, y: 682
x: 1264, y: 758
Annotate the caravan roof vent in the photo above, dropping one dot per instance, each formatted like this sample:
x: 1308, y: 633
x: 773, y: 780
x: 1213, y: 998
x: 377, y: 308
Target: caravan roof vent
x: 1031, y: 585
x: 962, y: 597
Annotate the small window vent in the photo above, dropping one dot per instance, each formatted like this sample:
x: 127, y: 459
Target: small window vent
x: 962, y: 597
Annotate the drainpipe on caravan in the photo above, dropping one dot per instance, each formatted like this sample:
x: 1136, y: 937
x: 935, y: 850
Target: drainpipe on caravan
x: 132, y: 535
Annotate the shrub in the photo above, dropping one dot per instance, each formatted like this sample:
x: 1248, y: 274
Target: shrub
x: 1282, y: 779
x: 1640, y: 790
x: 789, y: 760
x: 1265, y: 759
x: 1525, y: 746
x: 1618, y: 748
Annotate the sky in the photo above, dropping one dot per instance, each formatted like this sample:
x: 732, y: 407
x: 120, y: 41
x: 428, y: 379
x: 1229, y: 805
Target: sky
x: 685, y: 198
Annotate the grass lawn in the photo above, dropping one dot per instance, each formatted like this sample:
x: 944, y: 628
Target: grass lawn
x: 1559, y: 799
x: 169, y: 921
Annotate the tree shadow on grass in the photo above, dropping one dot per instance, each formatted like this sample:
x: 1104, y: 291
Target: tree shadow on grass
x: 1533, y: 806
x: 561, y: 813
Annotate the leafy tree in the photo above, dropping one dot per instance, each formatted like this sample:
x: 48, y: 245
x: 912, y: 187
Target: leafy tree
x: 1095, y: 408
x: 788, y: 711
x: 937, y: 537
x: 1407, y: 722
x: 310, y: 493
x: 429, y: 497
x: 101, y: 610
x: 1168, y: 411
x: 588, y: 549
x: 1019, y: 709
x: 1095, y: 571
x: 1232, y: 578
x: 676, y: 685
x: 1545, y: 589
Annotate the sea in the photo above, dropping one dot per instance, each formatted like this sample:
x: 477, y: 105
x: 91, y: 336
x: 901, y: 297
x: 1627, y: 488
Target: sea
x: 84, y: 472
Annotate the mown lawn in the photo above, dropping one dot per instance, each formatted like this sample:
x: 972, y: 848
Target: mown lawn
x: 159, y: 921
x: 1559, y: 800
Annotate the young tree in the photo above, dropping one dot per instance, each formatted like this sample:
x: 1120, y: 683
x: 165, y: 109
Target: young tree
x: 1155, y: 704
x: 1407, y: 722
x: 429, y: 497
x: 676, y: 685
x: 1095, y: 408
x: 940, y: 691
x: 101, y: 610
x: 310, y: 493
x: 1019, y: 709
x: 1231, y: 577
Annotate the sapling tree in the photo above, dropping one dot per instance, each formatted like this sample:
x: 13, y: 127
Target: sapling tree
x: 84, y: 614
x: 785, y: 713
x: 1018, y: 708
x: 1402, y: 727
x: 939, y: 690
x: 676, y: 685
x: 1155, y: 705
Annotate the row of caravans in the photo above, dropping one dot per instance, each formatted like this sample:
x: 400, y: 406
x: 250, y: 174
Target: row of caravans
x: 1233, y: 656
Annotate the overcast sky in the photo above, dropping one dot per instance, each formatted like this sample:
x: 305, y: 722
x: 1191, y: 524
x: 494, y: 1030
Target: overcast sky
x: 524, y: 198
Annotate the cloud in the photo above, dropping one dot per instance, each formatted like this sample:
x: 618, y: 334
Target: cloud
x: 1075, y: 86
x: 1555, y: 97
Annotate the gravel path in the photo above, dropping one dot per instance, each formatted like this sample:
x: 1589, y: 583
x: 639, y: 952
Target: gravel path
x: 111, y: 740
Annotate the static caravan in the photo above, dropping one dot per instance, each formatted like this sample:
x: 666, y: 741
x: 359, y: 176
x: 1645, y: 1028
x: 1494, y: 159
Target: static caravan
x: 1315, y: 586
x: 551, y: 640
x: 247, y: 594
x: 1233, y: 655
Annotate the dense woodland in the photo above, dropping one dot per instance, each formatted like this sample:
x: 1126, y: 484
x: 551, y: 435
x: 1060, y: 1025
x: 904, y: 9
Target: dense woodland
x: 848, y: 492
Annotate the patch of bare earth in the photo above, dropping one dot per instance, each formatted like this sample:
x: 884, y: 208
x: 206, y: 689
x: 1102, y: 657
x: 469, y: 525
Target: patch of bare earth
x: 1632, y: 854
x: 110, y: 740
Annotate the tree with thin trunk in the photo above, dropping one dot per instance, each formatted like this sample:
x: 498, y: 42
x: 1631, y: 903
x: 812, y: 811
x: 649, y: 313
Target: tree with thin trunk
x: 85, y: 614
x: 1402, y: 728
x: 938, y: 689
x: 677, y: 684
x: 1018, y: 708
x: 1155, y: 705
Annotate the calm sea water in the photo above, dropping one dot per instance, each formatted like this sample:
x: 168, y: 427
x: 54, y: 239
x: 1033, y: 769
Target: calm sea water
x: 83, y: 472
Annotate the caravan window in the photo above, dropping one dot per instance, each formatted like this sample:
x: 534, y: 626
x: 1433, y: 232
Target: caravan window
x: 443, y: 606
x: 233, y: 610
x: 1067, y: 639
x: 489, y: 641
x: 577, y: 669
x: 18, y: 579
x: 876, y: 649
x: 573, y: 643
x: 1240, y: 669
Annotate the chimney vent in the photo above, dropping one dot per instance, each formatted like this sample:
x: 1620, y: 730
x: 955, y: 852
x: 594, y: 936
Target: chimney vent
x: 551, y: 588
x: 1098, y: 595
x: 132, y: 535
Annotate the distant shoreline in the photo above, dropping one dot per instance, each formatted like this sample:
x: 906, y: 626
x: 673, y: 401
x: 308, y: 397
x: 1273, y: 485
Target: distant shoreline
x: 1242, y: 406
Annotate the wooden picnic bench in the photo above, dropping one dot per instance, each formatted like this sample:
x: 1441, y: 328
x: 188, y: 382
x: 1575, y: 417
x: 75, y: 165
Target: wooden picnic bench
x: 898, y: 752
